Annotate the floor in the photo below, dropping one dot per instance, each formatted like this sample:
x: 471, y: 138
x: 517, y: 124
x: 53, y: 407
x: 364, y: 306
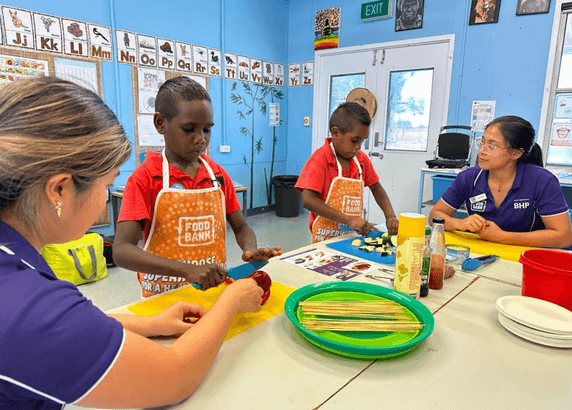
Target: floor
x: 121, y: 286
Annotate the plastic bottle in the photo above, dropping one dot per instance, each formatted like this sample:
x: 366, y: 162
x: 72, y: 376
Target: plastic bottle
x: 409, y: 256
x: 424, y: 290
x: 438, y: 254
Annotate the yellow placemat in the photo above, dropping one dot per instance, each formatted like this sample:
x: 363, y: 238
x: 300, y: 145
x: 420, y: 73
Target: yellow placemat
x: 241, y: 322
x: 478, y: 245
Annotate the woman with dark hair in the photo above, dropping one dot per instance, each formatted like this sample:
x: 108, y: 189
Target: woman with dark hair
x: 509, y: 197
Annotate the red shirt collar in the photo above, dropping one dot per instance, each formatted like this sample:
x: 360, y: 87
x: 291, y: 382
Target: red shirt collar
x: 154, y: 163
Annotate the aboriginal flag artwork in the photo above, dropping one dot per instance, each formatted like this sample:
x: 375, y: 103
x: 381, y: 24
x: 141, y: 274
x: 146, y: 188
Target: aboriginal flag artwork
x: 327, y: 28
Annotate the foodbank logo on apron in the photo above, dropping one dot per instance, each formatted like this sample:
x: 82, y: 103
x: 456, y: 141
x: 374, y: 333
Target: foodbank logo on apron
x: 196, y: 230
x: 351, y: 205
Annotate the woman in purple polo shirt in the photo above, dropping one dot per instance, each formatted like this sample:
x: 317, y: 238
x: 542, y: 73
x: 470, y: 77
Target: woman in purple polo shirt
x: 510, y: 197
x: 61, y: 147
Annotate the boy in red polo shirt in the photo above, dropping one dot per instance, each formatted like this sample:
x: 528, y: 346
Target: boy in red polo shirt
x: 333, y: 178
x: 181, y: 200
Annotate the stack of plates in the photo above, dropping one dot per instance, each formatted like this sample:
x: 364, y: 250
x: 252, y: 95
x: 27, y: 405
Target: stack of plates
x: 536, y: 320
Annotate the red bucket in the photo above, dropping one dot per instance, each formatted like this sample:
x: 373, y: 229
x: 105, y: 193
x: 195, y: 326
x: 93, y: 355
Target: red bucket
x: 547, y: 275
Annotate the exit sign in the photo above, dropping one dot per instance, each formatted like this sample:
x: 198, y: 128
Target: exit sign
x: 376, y: 10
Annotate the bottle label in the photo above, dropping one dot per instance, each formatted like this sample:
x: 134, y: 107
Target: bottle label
x: 408, y: 263
x: 425, y: 270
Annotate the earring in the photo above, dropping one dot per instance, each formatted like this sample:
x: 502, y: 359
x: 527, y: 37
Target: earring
x: 58, y: 208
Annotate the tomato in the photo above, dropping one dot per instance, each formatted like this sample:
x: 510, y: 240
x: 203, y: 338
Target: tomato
x: 264, y: 281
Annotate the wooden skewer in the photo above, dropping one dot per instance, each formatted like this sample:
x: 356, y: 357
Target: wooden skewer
x: 361, y: 325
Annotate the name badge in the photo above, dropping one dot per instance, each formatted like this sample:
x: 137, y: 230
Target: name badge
x: 478, y: 198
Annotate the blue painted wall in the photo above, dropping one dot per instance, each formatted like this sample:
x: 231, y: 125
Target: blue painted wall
x: 505, y: 62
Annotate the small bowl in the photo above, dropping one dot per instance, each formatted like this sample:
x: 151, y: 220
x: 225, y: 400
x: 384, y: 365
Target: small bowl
x: 456, y: 254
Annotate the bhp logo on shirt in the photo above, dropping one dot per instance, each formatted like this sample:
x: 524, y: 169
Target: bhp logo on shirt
x: 196, y: 230
x: 521, y: 204
x: 351, y: 205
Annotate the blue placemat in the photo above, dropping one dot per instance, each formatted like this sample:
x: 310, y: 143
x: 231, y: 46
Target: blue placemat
x: 346, y: 247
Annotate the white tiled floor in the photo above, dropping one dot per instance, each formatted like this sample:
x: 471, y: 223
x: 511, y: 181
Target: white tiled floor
x: 121, y: 286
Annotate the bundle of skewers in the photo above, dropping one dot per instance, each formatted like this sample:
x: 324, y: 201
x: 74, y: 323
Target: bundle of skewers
x: 358, y: 316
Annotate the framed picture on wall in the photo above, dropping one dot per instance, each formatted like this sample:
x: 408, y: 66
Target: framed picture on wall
x: 484, y: 11
x: 524, y: 7
x: 409, y: 15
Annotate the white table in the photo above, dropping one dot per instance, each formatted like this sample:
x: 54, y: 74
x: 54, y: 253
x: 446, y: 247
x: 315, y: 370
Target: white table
x: 469, y: 362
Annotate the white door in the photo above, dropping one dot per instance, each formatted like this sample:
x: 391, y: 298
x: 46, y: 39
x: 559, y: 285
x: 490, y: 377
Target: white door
x: 411, y: 81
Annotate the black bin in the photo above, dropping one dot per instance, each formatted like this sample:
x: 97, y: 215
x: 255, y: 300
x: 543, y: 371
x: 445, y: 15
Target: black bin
x: 286, y: 196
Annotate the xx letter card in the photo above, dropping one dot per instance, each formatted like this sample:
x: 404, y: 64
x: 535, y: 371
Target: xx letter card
x: 215, y: 64
x: 18, y: 30
x: 126, y: 47
x: 166, y: 54
x: 48, y: 33
x: 230, y: 66
x: 100, y: 46
x: 184, y: 53
x: 75, y: 38
x: 147, y: 49
x: 279, y: 74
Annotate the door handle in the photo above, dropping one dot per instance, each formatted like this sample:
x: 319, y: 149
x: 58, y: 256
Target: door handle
x: 376, y: 154
x: 376, y: 139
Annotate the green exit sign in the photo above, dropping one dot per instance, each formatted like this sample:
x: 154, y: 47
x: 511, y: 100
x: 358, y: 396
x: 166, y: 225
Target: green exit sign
x: 376, y: 10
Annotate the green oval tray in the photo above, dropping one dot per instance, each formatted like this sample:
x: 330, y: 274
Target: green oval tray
x: 361, y: 345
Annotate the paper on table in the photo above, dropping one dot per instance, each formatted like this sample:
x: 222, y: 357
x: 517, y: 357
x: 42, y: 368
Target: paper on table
x: 241, y: 322
x: 482, y: 247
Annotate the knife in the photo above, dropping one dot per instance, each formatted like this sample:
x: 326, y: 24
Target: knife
x: 241, y: 271
x: 370, y: 234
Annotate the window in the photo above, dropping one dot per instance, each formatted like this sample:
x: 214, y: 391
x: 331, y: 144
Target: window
x: 558, y: 144
x: 340, y: 86
x: 407, y: 127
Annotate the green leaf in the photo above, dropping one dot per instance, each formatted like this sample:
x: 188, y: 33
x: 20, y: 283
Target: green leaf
x: 240, y: 115
x: 247, y: 88
x: 244, y: 131
x: 263, y: 107
x: 248, y: 112
x: 258, y: 146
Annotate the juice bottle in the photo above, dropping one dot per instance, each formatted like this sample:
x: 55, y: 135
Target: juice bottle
x: 438, y: 254
x: 409, y: 256
x: 424, y: 290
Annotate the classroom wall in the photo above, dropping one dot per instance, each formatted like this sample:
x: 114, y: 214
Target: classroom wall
x: 252, y: 28
x: 505, y: 61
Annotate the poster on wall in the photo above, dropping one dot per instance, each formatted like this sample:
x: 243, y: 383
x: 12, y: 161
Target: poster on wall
x: 563, y: 106
x: 482, y: 113
x: 484, y: 11
x: 75, y: 38
x: 267, y: 73
x: 279, y: 74
x: 166, y: 54
x: 294, y: 75
x: 256, y: 71
x: 147, y: 50
x: 524, y: 7
x: 200, y: 59
x: 409, y: 15
x: 215, y: 64
x: 48, y: 33
x: 230, y: 66
x: 146, y: 132
x: 83, y: 73
x: 100, y: 45
x: 560, y: 147
x: 243, y: 68
x: 148, y: 85
x: 327, y: 28
x: 126, y: 47
x: 308, y: 73
x: 184, y: 56
x: 18, y: 31
x: 17, y: 68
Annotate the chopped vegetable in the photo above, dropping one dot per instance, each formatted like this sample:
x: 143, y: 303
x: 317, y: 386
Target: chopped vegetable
x: 356, y: 242
x: 367, y: 248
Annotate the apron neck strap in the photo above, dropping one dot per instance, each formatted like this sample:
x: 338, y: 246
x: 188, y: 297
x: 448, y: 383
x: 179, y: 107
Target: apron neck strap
x: 166, y: 172
x: 340, y: 165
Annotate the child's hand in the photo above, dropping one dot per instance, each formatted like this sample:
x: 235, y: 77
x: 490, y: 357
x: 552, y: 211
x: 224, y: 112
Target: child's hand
x: 362, y: 226
x: 176, y: 319
x: 207, y: 276
x: 261, y: 254
x: 392, y: 225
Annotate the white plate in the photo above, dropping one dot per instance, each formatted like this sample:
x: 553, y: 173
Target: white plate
x: 536, y: 313
x: 536, y: 332
x: 519, y: 331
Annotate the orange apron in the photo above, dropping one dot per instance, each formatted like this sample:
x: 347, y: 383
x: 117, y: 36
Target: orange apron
x: 188, y: 225
x: 345, y: 195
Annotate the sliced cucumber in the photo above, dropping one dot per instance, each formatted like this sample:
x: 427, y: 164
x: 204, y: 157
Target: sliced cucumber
x: 356, y: 242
